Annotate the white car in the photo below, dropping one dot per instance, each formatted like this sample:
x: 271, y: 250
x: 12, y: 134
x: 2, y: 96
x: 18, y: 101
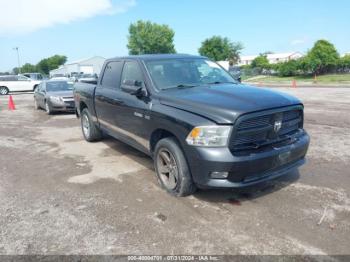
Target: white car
x: 16, y: 83
x: 61, y: 78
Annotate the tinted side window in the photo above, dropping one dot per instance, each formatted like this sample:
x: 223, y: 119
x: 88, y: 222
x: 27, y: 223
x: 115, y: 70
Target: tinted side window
x: 12, y: 78
x: 111, y: 75
x: 132, y: 71
x: 23, y: 78
x: 8, y: 78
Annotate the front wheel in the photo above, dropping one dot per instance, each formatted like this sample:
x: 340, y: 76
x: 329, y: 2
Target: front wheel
x: 172, y: 169
x: 48, y: 108
x: 90, y: 131
x: 4, y: 90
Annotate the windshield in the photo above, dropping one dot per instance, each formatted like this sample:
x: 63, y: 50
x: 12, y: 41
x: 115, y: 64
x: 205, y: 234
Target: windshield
x: 172, y: 73
x: 58, y: 86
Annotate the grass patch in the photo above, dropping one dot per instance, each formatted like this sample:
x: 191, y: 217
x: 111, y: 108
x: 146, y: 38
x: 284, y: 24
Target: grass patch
x: 324, y: 79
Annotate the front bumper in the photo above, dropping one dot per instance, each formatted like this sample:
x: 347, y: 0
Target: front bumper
x: 245, y: 170
x: 64, y: 107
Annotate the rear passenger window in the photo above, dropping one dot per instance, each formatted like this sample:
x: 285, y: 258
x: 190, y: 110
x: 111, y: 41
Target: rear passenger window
x: 132, y: 71
x: 111, y: 75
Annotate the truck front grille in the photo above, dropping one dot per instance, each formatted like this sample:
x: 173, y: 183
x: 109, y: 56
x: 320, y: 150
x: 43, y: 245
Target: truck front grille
x: 255, y: 131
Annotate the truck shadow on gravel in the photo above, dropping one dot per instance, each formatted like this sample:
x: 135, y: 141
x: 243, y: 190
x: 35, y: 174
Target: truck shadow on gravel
x: 238, y: 195
x: 118, y: 148
x: 232, y: 196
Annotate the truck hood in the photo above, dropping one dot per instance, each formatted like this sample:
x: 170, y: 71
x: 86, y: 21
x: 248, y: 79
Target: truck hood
x: 224, y: 103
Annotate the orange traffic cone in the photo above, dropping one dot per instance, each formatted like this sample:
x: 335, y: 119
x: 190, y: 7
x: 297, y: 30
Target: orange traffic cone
x: 294, y: 83
x: 11, y: 105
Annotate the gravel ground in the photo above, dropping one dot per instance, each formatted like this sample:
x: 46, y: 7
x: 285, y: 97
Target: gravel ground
x: 62, y: 195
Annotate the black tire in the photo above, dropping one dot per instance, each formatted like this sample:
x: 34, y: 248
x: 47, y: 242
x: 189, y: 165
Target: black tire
x: 184, y: 182
x: 48, y: 108
x: 4, y: 90
x: 92, y: 133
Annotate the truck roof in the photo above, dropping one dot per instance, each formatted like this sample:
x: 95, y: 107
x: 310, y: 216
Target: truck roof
x: 157, y: 56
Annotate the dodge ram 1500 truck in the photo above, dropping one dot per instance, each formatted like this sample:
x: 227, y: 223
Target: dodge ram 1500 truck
x: 201, y: 127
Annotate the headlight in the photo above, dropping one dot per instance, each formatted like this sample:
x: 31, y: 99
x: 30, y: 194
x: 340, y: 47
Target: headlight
x: 210, y: 136
x: 56, y: 99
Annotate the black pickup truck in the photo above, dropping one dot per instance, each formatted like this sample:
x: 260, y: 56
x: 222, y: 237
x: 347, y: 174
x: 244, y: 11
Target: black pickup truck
x: 201, y: 127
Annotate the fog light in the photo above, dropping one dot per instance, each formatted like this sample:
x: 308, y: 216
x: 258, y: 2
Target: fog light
x: 219, y: 175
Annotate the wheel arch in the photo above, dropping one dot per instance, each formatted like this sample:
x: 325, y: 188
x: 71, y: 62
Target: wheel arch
x: 159, y: 134
x: 82, y: 106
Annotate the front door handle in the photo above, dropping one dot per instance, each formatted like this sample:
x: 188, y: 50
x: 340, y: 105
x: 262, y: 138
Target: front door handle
x: 117, y: 101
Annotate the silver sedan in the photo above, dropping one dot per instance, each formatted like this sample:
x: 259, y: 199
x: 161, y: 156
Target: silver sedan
x: 54, y: 95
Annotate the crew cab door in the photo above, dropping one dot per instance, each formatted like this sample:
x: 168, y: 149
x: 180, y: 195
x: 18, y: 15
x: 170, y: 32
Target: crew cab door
x: 121, y: 114
x: 133, y: 118
x: 106, y: 95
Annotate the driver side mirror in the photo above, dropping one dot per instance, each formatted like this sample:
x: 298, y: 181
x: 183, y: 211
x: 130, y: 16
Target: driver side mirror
x: 134, y: 87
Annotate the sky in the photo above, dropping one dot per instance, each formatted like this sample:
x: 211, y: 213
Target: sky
x: 84, y: 28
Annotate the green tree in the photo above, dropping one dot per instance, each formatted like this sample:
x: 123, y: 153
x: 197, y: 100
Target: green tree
x: 15, y: 71
x: 50, y: 63
x: 43, y: 66
x: 321, y: 58
x: 344, y: 63
x: 220, y: 48
x: 28, y: 68
x: 261, y: 62
x: 146, y: 37
x: 289, y: 68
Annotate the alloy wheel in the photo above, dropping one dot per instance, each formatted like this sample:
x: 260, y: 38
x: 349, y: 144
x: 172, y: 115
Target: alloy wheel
x: 86, y: 125
x: 3, y: 91
x: 167, y: 168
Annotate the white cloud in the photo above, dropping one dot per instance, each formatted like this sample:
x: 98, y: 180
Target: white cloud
x: 298, y: 42
x: 24, y: 16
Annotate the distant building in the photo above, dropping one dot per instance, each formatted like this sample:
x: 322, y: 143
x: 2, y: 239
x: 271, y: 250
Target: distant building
x: 91, y: 65
x: 273, y: 58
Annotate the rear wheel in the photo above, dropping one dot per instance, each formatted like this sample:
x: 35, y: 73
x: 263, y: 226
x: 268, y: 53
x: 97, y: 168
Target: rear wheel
x: 172, y: 169
x: 4, y: 90
x: 90, y: 131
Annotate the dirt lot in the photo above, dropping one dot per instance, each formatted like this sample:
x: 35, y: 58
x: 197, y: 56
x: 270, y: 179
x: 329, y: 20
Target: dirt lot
x: 62, y: 195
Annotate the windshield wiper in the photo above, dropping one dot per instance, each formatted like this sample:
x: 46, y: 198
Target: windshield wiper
x: 219, y: 82
x: 182, y: 86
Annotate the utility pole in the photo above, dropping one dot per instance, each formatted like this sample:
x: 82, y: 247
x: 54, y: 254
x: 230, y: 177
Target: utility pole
x: 19, y: 63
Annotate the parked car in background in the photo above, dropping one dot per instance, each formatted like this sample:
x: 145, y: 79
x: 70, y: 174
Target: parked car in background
x: 54, y: 95
x: 202, y: 128
x: 88, y: 78
x: 63, y: 78
x: 17, y: 83
x: 34, y: 76
x: 57, y: 75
